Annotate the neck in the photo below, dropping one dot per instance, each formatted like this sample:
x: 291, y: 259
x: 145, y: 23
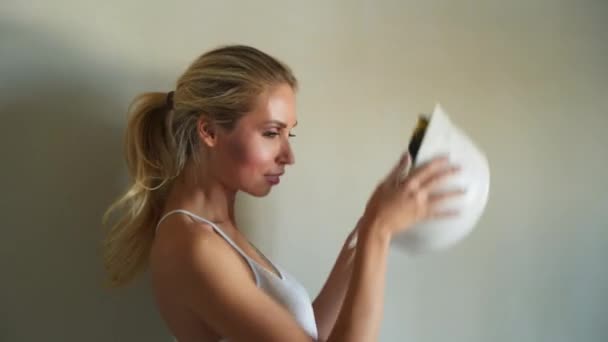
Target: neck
x: 202, y: 194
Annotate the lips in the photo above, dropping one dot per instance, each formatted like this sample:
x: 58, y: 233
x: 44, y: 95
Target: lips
x: 274, y: 179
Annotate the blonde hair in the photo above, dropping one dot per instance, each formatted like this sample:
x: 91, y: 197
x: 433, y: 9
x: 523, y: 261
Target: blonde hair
x: 161, y: 137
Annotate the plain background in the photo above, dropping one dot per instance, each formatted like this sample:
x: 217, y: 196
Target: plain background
x: 528, y: 80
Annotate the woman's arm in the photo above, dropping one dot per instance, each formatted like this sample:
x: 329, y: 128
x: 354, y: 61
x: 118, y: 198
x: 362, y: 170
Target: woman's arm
x: 328, y: 302
x: 396, y: 204
x: 213, y: 283
x: 361, y: 313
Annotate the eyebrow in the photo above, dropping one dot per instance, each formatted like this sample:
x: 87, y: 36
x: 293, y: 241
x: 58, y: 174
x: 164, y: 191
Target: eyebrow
x: 280, y: 123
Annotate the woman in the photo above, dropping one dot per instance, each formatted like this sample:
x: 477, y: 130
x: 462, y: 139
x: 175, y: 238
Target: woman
x: 225, y: 129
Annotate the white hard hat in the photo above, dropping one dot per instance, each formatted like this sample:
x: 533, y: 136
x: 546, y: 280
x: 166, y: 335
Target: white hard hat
x: 436, y: 136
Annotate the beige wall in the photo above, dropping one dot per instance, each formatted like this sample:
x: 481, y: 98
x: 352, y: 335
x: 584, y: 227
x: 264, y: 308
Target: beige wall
x: 527, y: 79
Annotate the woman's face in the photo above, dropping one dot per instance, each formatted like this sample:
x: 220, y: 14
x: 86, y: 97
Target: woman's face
x: 253, y: 156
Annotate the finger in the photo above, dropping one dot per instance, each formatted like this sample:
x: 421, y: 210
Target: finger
x: 440, y: 176
x: 437, y: 198
x: 408, y: 165
x: 421, y: 174
x: 401, y: 167
x: 443, y: 214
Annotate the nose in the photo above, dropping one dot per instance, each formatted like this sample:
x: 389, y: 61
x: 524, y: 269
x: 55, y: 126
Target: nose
x: 286, y: 155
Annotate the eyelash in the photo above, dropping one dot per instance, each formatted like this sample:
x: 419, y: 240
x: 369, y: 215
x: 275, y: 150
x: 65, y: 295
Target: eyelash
x: 274, y: 134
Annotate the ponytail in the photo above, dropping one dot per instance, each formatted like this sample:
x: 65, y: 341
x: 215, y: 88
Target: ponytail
x: 151, y: 166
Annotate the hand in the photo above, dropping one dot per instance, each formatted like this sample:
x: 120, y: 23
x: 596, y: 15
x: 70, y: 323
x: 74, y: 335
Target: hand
x: 405, y: 198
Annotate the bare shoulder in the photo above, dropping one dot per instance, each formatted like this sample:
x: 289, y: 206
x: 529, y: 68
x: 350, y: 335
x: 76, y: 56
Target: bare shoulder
x: 181, y: 243
x: 217, y: 288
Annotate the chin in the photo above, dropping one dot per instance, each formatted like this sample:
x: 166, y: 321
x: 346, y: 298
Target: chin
x: 258, y: 192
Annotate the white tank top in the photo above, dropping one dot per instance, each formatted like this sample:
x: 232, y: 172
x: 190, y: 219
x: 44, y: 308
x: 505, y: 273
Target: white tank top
x: 285, y: 290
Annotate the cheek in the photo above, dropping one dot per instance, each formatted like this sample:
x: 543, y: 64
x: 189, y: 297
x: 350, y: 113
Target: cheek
x: 252, y: 155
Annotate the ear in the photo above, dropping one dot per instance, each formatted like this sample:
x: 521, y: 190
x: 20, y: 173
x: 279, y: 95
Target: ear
x: 206, y: 131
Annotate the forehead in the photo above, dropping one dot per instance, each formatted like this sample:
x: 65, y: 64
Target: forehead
x: 276, y: 104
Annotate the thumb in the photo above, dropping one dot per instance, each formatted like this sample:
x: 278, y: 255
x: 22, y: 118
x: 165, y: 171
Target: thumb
x: 402, y: 167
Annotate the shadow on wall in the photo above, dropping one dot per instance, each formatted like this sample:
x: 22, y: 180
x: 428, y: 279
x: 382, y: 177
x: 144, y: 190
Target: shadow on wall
x: 63, y: 119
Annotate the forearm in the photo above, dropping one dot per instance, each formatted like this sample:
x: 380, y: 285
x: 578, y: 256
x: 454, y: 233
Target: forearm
x: 329, y: 301
x: 361, y: 313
